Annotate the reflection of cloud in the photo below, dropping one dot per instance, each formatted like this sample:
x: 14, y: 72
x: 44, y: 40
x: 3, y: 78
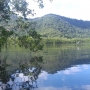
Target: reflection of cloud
x: 53, y: 88
x: 74, y: 69
x: 63, y: 79
x: 85, y: 66
x: 59, y: 72
x: 86, y: 87
x: 43, y: 75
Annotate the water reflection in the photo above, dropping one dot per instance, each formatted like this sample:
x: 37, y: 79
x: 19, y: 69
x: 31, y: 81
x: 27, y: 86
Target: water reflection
x: 61, y: 68
x: 53, y: 88
x: 4, y: 76
x: 24, y: 78
x: 76, y: 77
x: 75, y: 69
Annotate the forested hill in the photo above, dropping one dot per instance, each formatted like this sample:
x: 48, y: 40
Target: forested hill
x: 52, y: 25
x: 78, y: 23
x: 55, y: 26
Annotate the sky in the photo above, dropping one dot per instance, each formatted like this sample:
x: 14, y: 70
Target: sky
x: 76, y: 9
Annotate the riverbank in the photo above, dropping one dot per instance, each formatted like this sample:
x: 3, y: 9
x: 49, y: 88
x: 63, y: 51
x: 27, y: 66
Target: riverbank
x: 64, y: 40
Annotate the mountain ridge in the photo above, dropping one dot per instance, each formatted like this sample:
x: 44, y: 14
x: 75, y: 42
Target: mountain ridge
x: 73, y: 20
x: 52, y: 25
x: 56, y: 26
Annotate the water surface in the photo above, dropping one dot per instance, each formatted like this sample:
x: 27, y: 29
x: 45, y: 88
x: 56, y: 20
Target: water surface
x: 64, y: 67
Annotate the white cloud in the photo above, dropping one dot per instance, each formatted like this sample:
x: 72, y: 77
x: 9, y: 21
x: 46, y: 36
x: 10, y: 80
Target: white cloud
x: 53, y: 88
x: 74, y: 69
x: 70, y: 8
x: 43, y: 75
x: 83, y: 87
x: 85, y: 66
x: 86, y: 87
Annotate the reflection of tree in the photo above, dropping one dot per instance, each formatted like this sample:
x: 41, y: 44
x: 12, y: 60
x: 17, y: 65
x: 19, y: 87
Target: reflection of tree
x: 4, y: 35
x: 32, y: 68
x: 27, y: 72
x: 61, y: 57
x: 3, y: 71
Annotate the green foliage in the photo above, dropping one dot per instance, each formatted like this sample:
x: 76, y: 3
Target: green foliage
x: 52, y: 25
x: 64, y: 40
x: 4, y: 77
x: 4, y: 34
x: 21, y: 6
x: 77, y: 23
x: 4, y: 10
x: 33, y: 41
x: 28, y: 37
x: 7, y: 9
x: 48, y: 26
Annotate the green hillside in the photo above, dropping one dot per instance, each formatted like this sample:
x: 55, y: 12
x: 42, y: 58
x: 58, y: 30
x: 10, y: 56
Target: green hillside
x: 55, y: 26
x: 52, y: 25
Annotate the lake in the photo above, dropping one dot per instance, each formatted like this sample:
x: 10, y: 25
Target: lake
x: 57, y: 67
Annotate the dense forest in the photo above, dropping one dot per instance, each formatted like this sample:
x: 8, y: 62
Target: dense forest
x: 55, y: 26
x: 30, y: 36
x: 51, y: 28
x: 52, y: 25
x: 16, y: 29
x: 29, y: 33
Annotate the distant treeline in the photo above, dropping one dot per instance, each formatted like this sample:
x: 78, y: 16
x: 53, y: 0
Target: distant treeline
x: 12, y: 43
x: 64, y: 40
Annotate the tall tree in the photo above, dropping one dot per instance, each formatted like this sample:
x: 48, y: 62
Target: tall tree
x: 4, y: 9
x: 4, y: 34
x: 7, y: 7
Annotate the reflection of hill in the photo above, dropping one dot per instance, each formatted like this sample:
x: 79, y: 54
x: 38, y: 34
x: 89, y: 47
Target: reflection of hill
x: 81, y: 61
x: 23, y: 78
x: 61, y: 65
x: 66, y: 56
x: 55, y: 58
x: 16, y: 58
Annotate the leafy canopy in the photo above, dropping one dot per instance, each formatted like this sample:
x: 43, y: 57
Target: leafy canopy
x: 9, y: 7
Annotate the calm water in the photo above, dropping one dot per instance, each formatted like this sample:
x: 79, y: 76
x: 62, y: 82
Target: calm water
x: 57, y: 67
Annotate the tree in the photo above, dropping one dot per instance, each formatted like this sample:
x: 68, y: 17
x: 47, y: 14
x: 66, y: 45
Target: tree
x: 4, y: 10
x: 9, y: 7
x: 19, y: 6
x: 4, y: 34
x: 30, y: 38
x: 32, y: 41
